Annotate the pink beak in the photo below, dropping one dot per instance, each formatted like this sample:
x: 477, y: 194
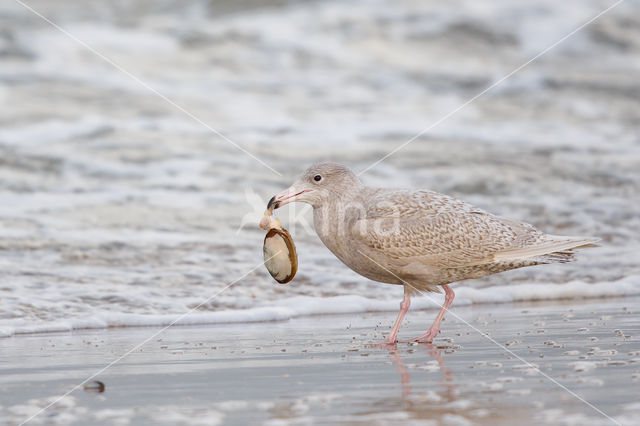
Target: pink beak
x: 285, y: 197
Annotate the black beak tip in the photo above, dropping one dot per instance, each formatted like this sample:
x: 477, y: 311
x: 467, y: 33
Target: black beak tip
x: 272, y: 203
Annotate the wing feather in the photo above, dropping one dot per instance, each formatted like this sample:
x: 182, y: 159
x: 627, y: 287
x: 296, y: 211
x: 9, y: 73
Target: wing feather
x: 425, y: 227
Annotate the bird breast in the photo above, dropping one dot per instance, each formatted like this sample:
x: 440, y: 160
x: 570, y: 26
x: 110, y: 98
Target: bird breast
x: 334, y: 227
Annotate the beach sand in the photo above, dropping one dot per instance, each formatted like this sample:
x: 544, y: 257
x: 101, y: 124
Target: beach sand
x: 322, y: 370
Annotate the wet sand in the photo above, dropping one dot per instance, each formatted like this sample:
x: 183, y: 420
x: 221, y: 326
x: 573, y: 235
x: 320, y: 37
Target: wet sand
x: 321, y: 370
x: 118, y: 209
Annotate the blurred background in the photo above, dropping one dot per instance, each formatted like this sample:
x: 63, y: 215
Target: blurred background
x: 119, y: 201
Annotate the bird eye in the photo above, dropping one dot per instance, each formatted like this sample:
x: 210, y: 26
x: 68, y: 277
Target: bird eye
x: 317, y: 178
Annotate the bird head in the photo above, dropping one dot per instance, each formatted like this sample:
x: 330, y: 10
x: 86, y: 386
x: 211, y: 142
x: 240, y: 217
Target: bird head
x: 319, y: 184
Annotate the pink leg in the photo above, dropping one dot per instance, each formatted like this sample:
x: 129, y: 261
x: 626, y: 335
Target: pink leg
x: 404, y: 307
x: 435, y: 327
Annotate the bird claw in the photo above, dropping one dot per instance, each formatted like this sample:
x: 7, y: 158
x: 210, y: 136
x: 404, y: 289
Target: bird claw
x: 425, y: 338
x: 416, y: 340
x: 384, y: 344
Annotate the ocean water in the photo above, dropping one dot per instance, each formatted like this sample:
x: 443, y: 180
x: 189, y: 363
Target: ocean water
x: 128, y: 197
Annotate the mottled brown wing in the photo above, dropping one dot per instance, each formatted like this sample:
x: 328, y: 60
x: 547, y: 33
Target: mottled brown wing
x: 426, y: 227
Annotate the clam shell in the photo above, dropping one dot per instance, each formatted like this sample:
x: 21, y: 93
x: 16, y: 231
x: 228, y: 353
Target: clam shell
x: 280, y: 256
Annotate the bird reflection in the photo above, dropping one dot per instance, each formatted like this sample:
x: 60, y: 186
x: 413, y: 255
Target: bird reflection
x: 448, y: 387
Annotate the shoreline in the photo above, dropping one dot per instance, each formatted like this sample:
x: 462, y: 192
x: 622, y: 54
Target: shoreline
x: 302, y: 306
x: 323, y: 369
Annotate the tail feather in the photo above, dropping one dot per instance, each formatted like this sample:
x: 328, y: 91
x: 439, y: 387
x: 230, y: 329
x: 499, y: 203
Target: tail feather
x: 558, y: 257
x: 553, y: 247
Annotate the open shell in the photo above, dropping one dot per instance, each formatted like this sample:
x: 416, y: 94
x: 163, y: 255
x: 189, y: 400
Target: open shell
x: 280, y: 256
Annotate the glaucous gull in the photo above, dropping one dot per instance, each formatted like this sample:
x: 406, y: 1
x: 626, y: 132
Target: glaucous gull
x: 420, y: 239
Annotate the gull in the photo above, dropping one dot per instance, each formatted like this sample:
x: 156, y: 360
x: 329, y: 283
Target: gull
x: 420, y: 239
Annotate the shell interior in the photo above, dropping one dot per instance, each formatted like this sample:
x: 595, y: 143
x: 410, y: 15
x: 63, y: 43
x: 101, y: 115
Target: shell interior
x: 280, y: 255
